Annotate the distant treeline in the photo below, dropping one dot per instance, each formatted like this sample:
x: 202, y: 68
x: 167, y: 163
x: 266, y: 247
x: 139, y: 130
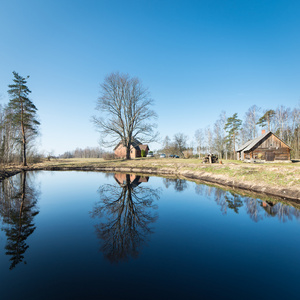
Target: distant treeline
x: 88, y: 152
x: 229, y: 132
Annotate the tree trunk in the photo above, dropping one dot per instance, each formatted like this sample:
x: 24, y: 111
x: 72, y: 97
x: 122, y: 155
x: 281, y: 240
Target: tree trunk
x: 128, y: 152
x: 234, y: 146
x: 24, y: 155
x: 23, y: 136
x: 24, y: 147
x: 22, y: 203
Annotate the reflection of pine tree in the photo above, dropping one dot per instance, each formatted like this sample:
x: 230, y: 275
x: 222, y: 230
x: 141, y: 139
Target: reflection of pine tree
x: 18, y: 209
x: 128, y: 212
x: 234, y: 202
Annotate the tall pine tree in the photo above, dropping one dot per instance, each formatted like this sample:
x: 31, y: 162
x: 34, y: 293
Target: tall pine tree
x: 266, y: 119
x: 232, y: 127
x: 22, y: 112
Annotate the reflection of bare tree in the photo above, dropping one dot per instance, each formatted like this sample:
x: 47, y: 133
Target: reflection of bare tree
x: 18, y: 200
x: 255, y: 208
x: 220, y: 198
x: 282, y: 211
x: 200, y: 189
x: 127, y: 213
x: 179, y: 184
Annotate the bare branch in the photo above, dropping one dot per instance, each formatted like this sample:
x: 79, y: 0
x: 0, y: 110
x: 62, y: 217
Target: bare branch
x: 125, y: 113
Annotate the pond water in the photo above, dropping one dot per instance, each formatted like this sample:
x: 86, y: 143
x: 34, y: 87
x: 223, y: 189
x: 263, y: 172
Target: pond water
x: 88, y: 235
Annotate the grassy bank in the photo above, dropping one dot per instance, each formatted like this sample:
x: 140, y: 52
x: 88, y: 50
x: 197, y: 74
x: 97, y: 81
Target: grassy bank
x: 280, y: 179
x: 278, y: 174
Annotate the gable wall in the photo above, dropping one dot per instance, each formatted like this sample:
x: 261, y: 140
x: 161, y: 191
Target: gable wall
x: 271, y: 141
x: 120, y: 152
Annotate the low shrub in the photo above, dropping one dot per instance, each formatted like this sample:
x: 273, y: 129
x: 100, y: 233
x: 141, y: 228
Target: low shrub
x: 188, y: 153
x: 35, y: 158
x: 108, y: 156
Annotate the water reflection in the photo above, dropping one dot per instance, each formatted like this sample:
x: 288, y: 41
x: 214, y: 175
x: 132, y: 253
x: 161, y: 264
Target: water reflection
x: 18, y: 199
x: 256, y: 209
x: 178, y: 184
x: 127, y: 211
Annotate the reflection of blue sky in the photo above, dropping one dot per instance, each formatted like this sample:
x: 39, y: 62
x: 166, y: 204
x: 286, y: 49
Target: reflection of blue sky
x: 197, y: 244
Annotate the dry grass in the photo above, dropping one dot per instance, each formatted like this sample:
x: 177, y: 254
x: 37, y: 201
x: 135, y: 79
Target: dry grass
x: 279, y: 174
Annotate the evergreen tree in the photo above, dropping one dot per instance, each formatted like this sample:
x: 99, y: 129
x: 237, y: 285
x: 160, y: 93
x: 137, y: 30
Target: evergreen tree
x: 266, y: 119
x: 232, y: 127
x: 22, y: 112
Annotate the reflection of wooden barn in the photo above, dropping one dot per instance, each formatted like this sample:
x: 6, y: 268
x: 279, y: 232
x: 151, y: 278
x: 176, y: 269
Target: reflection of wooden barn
x: 135, y: 149
x: 267, y: 147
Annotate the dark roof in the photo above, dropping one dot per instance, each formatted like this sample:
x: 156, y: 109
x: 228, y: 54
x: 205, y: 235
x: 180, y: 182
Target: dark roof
x: 252, y: 143
x: 135, y: 143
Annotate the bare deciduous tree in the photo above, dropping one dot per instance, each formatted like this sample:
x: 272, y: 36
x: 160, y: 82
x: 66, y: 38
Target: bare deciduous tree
x: 250, y: 123
x: 200, y: 140
x: 219, y: 138
x: 209, y: 137
x: 180, y: 141
x: 282, y: 118
x: 125, y: 111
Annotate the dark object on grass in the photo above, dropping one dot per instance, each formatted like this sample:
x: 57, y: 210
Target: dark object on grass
x: 210, y: 158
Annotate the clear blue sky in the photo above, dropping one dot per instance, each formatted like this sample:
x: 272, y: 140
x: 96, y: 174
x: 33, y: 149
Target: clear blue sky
x: 196, y: 57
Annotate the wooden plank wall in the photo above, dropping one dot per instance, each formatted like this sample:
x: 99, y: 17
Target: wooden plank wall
x: 267, y: 145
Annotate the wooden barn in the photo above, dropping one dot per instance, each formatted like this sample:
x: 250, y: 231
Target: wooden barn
x: 267, y: 147
x: 135, y: 149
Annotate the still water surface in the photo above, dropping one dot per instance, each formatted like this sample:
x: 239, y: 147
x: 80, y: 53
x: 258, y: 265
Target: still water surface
x: 85, y: 235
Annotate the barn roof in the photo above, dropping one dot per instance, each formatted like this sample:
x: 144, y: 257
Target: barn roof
x: 256, y: 141
x: 252, y: 143
x: 244, y: 146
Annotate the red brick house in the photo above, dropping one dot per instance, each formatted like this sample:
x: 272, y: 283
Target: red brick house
x: 135, y: 180
x: 135, y: 149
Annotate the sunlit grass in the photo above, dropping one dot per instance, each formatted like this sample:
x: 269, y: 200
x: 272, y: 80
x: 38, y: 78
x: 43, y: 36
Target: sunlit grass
x: 279, y: 174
